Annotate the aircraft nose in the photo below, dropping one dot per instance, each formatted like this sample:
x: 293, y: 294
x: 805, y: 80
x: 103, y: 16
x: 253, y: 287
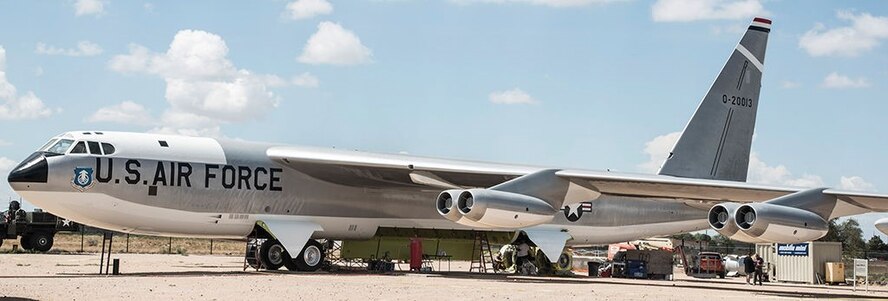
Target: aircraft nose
x: 32, y: 170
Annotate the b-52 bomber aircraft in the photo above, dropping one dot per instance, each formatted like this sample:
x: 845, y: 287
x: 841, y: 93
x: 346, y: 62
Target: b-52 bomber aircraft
x: 291, y: 195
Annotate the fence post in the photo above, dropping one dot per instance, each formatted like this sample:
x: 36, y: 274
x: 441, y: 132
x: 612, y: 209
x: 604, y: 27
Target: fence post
x: 170, y: 251
x: 211, y: 247
x: 127, y: 243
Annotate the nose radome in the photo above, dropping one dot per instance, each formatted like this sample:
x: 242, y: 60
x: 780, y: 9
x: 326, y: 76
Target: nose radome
x: 32, y: 170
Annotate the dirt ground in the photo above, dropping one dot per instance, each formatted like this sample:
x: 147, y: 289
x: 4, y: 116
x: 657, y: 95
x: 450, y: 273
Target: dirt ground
x: 207, y: 277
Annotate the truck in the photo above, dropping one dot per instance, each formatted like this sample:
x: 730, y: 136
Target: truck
x: 36, y: 229
x: 650, y: 264
x: 706, y: 265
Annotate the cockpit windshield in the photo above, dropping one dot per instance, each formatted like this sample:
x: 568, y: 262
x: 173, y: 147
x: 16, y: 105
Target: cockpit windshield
x: 48, y: 144
x: 60, y: 147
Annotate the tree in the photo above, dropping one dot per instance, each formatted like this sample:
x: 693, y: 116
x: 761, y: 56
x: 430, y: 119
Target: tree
x: 875, y: 244
x: 852, y: 238
x: 849, y: 234
x: 832, y: 233
x: 702, y: 237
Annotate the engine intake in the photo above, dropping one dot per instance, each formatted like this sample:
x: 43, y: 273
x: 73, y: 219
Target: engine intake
x: 721, y: 219
x: 445, y: 204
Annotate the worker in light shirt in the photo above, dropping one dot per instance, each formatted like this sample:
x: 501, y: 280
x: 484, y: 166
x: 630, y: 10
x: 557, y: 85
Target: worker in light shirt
x: 523, y: 254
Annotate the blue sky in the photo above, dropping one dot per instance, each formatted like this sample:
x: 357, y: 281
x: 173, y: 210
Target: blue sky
x: 573, y: 83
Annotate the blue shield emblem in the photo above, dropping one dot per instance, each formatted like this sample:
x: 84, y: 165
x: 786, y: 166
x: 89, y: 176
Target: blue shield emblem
x: 83, y: 178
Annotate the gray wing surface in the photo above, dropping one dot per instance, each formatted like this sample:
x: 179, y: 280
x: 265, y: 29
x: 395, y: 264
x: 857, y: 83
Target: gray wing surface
x: 715, y: 191
x: 364, y: 169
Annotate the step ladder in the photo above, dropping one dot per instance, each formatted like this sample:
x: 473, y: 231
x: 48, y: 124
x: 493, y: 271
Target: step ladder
x: 481, y: 254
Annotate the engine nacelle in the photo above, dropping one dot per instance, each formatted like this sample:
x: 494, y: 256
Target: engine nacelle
x: 721, y: 219
x: 781, y: 224
x: 500, y: 209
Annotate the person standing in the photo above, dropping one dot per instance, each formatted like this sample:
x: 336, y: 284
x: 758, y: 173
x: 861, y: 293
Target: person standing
x: 759, y: 269
x: 749, y: 268
x: 523, y: 254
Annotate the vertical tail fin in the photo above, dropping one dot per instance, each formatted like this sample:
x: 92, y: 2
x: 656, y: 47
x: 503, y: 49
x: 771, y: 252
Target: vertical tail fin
x: 716, y: 142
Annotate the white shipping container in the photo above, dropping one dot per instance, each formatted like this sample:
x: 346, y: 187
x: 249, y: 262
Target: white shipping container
x: 799, y: 263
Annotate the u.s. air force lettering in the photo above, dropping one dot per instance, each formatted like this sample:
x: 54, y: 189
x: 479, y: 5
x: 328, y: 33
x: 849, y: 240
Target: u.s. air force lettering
x: 182, y: 174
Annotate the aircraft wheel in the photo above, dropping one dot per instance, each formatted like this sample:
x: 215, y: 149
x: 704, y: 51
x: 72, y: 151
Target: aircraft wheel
x: 310, y: 259
x: 41, y: 241
x: 272, y: 254
x: 25, y: 242
x: 565, y: 262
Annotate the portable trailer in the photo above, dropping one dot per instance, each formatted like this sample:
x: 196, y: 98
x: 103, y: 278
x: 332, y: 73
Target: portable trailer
x: 36, y: 229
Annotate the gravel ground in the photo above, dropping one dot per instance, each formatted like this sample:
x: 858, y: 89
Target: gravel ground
x: 201, y: 277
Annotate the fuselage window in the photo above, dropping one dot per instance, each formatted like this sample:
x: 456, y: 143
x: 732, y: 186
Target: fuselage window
x: 79, y: 148
x: 60, y: 147
x: 163, y: 143
x: 94, y: 148
x: 108, y: 148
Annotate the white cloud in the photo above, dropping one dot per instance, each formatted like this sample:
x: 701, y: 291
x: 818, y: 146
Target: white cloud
x: 188, y: 124
x: 510, y: 97
x: 126, y: 112
x: 865, y: 33
x: 148, y: 6
x: 790, y: 84
x: 855, y: 183
x: 306, y: 80
x: 695, y: 10
x: 550, y: 3
x: 202, y: 84
x: 16, y: 107
x: 837, y: 81
x: 658, y: 150
x: 84, y: 48
x: 89, y: 7
x: 305, y: 9
x: 335, y: 45
x: 763, y: 173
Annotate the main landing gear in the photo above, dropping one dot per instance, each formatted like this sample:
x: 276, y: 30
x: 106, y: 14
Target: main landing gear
x: 270, y: 254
